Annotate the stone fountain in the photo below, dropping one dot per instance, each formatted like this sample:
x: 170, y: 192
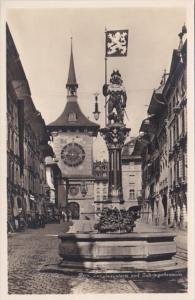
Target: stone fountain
x: 91, y: 249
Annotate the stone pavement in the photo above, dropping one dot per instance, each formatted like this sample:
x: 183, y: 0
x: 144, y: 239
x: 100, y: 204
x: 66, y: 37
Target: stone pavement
x: 181, y: 237
x: 28, y: 251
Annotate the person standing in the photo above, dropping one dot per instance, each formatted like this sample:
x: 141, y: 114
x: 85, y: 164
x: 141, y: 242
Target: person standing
x: 63, y: 216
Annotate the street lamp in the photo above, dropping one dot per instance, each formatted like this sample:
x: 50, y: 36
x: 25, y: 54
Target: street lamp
x: 96, y: 113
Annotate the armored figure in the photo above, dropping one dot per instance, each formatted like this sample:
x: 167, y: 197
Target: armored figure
x: 117, y: 98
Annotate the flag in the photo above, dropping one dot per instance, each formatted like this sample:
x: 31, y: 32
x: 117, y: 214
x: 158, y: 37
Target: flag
x: 116, y: 43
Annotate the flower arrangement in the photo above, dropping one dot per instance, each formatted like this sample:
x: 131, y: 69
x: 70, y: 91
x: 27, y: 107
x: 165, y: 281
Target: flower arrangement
x: 115, y: 220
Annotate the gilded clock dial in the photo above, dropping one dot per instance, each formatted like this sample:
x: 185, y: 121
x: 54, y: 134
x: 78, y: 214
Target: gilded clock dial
x: 73, y: 154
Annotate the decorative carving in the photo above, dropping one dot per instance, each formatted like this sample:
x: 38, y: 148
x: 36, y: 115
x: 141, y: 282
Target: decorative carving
x: 115, y: 136
x: 74, y: 190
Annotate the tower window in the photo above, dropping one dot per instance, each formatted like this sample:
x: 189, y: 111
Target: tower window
x: 72, y: 117
x: 131, y: 194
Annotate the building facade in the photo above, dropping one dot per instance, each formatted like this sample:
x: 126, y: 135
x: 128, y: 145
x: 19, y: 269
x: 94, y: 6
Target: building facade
x: 131, y: 174
x: 176, y: 94
x: 72, y: 142
x: 27, y: 144
x: 53, y: 175
x: 164, y: 156
x: 100, y: 172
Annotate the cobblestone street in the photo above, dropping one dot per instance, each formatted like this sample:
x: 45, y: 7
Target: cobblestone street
x: 28, y: 251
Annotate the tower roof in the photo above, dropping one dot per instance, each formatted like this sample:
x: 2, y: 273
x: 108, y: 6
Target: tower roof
x: 72, y: 117
x: 71, y: 82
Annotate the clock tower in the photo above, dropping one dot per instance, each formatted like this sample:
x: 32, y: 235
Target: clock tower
x: 72, y: 141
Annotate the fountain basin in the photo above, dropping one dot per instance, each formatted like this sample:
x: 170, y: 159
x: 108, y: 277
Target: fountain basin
x: 117, y: 252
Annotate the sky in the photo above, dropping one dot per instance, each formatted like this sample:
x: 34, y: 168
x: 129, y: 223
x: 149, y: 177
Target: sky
x: 42, y: 37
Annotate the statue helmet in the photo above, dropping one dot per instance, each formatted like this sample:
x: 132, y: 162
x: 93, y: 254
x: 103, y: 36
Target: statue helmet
x: 116, y: 77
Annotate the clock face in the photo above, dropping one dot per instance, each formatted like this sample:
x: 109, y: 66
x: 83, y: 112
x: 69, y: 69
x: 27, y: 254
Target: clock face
x: 74, y: 190
x: 73, y: 154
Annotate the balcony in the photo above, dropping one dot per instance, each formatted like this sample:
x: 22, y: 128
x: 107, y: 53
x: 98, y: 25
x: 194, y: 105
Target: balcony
x: 176, y: 147
x: 183, y: 184
x: 171, y: 189
x: 183, y: 102
x: 182, y: 139
x: 176, y: 186
x: 177, y: 109
x: 171, y: 154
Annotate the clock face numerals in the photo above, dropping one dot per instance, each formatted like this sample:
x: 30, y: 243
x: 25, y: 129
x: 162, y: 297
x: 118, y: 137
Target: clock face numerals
x: 73, y: 154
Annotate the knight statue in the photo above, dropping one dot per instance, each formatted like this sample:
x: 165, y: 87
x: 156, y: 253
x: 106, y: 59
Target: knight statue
x: 117, y: 98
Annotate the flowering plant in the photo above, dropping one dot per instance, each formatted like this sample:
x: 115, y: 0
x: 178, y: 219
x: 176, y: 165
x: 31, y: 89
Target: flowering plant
x: 115, y: 220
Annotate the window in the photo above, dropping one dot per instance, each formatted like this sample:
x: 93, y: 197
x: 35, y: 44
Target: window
x: 183, y: 85
x: 12, y: 140
x: 177, y: 172
x: 169, y: 109
x: 72, y: 117
x: 173, y: 133
x: 183, y: 167
x: 8, y: 137
x: 170, y: 135
x: 171, y: 176
x: 19, y: 203
x: 105, y: 190
x: 174, y: 101
x: 12, y: 172
x: 177, y: 96
x: 132, y: 194
x: 183, y: 121
x: 177, y: 128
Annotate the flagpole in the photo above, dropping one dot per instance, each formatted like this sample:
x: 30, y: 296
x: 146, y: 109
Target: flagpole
x: 105, y: 79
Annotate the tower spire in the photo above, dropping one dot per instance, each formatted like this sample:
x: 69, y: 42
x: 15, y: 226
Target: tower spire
x: 181, y: 34
x: 71, y: 82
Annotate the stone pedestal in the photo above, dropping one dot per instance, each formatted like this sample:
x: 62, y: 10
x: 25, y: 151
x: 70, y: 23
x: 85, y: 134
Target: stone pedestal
x: 114, y: 136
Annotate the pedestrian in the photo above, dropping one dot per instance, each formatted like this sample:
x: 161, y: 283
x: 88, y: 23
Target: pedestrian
x: 37, y: 222
x: 68, y: 216
x: 60, y: 213
x: 29, y: 220
x: 63, y: 216
x: 17, y: 223
x: 42, y: 221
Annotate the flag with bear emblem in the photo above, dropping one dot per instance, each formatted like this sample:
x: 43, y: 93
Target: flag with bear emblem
x: 116, y: 43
